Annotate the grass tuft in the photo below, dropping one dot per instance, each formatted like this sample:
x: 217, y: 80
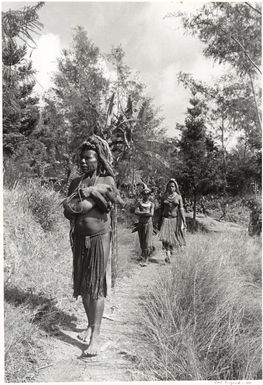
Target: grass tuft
x: 202, y: 321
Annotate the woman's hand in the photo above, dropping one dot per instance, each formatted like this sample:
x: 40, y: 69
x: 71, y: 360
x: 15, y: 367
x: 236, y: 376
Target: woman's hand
x: 184, y: 227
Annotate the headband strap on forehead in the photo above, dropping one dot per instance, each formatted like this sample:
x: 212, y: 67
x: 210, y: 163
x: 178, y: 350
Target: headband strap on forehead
x: 101, y: 147
x: 172, y: 180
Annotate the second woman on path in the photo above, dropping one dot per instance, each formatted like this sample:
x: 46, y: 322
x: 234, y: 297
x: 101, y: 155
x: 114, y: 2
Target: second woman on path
x: 172, y: 221
x: 145, y: 210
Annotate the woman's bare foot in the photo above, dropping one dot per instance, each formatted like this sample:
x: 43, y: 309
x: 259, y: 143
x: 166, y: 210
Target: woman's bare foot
x: 94, y: 346
x: 85, y: 335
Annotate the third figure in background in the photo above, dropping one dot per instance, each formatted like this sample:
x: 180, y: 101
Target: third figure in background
x: 172, y: 221
x: 144, y: 211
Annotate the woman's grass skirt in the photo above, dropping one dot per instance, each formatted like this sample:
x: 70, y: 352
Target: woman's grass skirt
x: 145, y: 233
x: 172, y: 233
x: 89, y: 270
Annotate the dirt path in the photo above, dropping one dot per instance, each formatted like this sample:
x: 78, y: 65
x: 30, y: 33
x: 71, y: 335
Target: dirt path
x: 115, y: 362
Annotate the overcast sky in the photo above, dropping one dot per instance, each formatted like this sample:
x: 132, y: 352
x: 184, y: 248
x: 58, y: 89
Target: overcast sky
x: 155, y: 46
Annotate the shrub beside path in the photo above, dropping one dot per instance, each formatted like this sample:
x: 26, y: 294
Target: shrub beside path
x: 115, y: 362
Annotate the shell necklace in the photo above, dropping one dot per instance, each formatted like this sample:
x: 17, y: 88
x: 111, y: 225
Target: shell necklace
x: 171, y: 196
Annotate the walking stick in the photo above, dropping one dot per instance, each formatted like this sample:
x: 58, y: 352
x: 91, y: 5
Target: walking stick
x: 114, y: 246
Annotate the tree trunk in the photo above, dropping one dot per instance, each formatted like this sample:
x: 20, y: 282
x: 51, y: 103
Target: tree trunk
x: 194, y: 209
x: 224, y: 152
x: 114, y: 247
x: 133, y: 178
x: 255, y: 99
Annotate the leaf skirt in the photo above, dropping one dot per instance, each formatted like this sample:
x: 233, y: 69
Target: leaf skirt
x: 171, y: 232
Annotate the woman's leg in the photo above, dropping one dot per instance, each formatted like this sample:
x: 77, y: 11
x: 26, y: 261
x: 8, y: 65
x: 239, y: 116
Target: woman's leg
x: 96, y: 306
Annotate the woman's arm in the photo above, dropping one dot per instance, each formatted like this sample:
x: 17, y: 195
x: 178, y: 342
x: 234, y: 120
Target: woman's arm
x: 181, y: 208
x: 161, y: 214
x: 152, y: 210
x: 105, y: 193
x: 137, y: 210
x: 69, y: 204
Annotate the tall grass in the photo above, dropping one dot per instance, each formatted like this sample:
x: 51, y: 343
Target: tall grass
x: 31, y: 253
x: 202, y: 321
x: 37, y: 274
x: 23, y: 354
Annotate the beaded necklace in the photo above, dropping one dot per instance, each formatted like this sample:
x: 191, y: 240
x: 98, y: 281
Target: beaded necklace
x: 171, y: 197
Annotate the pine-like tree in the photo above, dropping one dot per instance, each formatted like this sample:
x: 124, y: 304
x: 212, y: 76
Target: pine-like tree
x: 198, y: 153
x: 20, y: 108
x: 80, y: 87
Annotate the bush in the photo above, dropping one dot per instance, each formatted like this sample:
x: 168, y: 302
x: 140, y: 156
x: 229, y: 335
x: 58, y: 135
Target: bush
x: 37, y: 269
x: 202, y: 321
x: 44, y: 205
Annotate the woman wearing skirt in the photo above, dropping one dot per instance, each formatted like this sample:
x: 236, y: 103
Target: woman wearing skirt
x: 173, y: 222
x: 144, y: 211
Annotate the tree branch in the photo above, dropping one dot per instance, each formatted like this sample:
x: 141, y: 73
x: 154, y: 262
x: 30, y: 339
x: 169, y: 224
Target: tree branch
x: 255, y: 99
x: 245, y: 52
x: 251, y: 6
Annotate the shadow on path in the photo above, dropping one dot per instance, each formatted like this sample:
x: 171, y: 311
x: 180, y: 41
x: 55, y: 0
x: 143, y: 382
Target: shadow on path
x: 45, y: 314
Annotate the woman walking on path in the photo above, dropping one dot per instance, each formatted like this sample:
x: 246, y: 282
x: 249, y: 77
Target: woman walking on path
x: 88, y: 205
x: 144, y: 211
x: 172, y: 221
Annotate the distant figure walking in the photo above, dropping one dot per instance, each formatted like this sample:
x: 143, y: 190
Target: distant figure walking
x: 172, y: 221
x: 145, y: 210
x: 223, y: 204
x: 203, y: 203
x: 255, y: 218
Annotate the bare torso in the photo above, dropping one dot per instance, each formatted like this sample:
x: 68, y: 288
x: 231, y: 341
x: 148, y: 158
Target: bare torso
x: 170, y: 206
x: 95, y: 220
x: 144, y: 211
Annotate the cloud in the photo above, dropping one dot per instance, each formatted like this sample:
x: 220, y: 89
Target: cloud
x: 160, y: 50
x: 44, y: 59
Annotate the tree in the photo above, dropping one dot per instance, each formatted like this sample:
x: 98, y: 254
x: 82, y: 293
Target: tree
x: 80, y: 88
x: 231, y: 112
x: 244, y: 169
x: 232, y: 34
x: 20, y: 109
x: 198, y: 154
x: 134, y: 124
x: 53, y: 133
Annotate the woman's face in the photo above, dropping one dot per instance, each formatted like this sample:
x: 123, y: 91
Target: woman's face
x: 88, y: 161
x: 145, y: 196
x: 171, y: 188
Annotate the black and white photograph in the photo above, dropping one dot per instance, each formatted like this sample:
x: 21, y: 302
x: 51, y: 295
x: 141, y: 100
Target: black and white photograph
x: 132, y: 191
